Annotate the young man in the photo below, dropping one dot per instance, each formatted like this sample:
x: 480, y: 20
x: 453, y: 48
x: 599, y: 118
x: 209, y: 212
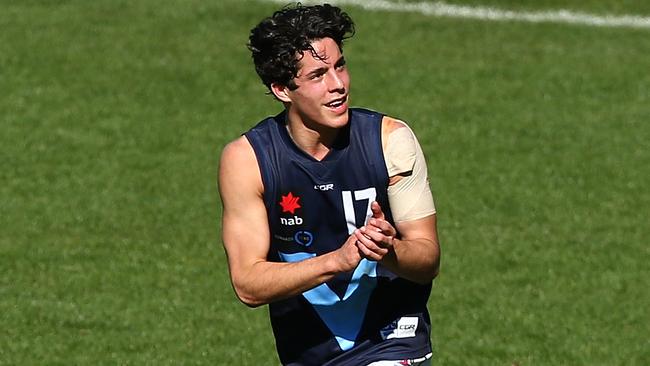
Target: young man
x: 327, y: 212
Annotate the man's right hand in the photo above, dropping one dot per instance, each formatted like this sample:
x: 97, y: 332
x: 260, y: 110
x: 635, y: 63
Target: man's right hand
x: 349, y: 256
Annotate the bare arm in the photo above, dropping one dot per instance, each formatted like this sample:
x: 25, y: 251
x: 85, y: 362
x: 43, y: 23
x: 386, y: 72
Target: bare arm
x: 246, y: 237
x: 414, y: 256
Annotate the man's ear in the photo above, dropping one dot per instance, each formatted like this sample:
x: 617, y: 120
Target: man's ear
x: 281, y: 92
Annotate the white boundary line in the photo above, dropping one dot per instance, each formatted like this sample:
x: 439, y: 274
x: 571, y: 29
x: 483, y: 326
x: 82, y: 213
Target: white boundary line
x: 442, y: 9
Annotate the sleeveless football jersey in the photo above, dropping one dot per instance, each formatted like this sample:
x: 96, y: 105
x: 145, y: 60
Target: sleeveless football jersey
x: 313, y: 206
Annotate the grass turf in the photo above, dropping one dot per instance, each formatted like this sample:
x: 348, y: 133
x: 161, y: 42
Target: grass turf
x: 114, y: 113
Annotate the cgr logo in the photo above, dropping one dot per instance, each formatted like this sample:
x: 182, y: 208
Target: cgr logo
x: 291, y: 221
x: 405, y: 327
x: 324, y: 187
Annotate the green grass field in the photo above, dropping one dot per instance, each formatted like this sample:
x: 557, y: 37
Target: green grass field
x: 113, y: 115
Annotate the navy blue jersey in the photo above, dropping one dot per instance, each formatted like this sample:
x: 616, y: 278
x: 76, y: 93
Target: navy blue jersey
x: 313, y: 206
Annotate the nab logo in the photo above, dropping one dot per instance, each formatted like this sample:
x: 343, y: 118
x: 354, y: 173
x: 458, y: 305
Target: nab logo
x: 324, y: 187
x: 291, y: 221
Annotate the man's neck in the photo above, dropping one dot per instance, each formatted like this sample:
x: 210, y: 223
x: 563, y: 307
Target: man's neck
x: 315, y: 142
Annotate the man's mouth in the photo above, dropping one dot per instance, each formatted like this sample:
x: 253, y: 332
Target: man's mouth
x: 337, y: 102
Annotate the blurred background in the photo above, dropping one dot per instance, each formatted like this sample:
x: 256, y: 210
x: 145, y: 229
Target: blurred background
x: 113, y: 115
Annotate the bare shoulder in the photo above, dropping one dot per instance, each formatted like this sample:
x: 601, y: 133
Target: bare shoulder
x: 238, y: 168
x: 237, y: 149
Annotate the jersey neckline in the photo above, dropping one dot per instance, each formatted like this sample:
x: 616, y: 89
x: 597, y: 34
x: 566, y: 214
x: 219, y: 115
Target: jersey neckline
x: 340, y: 144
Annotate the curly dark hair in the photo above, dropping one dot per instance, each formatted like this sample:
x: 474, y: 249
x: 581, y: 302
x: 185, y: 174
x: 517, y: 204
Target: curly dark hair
x: 278, y: 42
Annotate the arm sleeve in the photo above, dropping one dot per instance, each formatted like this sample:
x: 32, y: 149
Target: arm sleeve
x: 410, y: 198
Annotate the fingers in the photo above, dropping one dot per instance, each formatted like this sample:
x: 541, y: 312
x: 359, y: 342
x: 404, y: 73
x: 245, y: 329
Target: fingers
x: 375, y: 239
x: 377, y: 213
x: 379, y: 238
x: 369, y: 254
x: 382, y: 226
x: 372, y: 244
x: 350, y: 254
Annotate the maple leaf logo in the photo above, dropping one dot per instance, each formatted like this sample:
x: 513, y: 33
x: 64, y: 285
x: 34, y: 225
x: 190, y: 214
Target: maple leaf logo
x: 289, y: 203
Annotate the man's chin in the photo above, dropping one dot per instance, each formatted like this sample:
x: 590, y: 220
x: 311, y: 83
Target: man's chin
x: 340, y: 120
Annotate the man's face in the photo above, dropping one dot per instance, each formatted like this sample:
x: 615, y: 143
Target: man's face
x: 321, y: 98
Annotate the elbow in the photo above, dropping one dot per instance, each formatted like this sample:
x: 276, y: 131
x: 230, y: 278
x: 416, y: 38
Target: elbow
x: 435, y: 265
x: 431, y: 266
x: 249, y: 291
x: 430, y: 274
x: 248, y: 298
x: 423, y: 275
x: 435, y: 273
x: 426, y: 278
x: 251, y: 303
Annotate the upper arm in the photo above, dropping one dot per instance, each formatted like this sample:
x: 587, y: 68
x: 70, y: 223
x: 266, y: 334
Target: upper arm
x: 409, y: 194
x: 245, y: 230
x: 425, y: 233
x: 423, y: 228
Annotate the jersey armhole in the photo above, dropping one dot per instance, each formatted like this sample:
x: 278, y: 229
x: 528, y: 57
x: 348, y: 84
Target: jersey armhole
x: 265, y: 174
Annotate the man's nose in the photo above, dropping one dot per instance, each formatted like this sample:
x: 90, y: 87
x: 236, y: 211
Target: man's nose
x: 335, y: 82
